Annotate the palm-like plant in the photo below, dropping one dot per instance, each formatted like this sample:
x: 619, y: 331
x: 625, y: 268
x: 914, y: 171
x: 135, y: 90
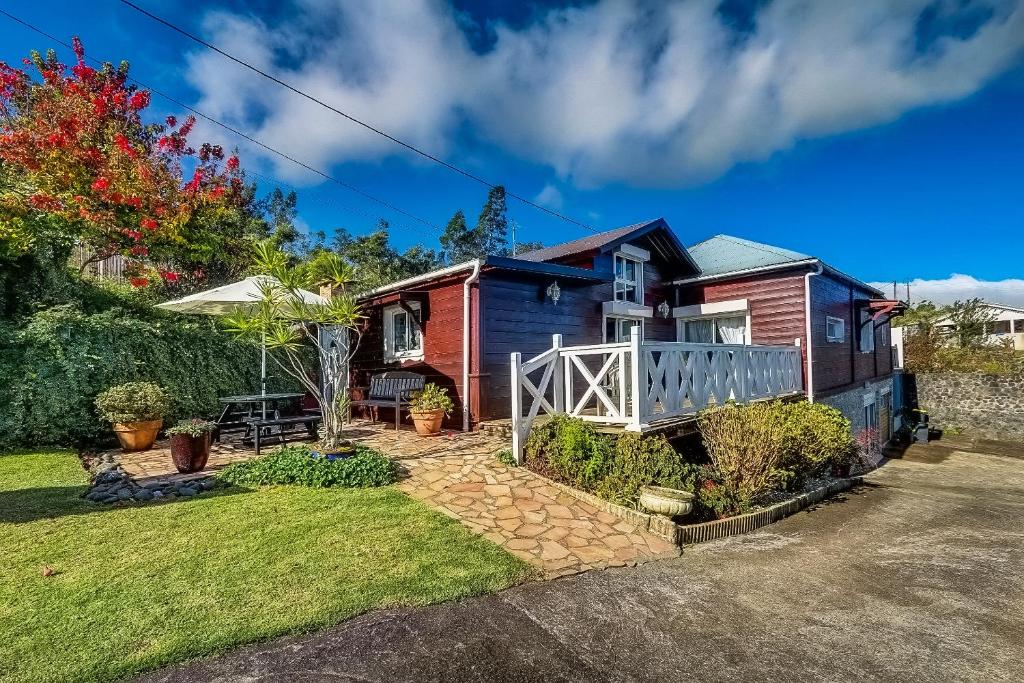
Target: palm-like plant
x: 289, y: 325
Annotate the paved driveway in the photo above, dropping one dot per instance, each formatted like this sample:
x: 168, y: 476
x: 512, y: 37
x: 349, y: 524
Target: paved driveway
x: 917, y: 576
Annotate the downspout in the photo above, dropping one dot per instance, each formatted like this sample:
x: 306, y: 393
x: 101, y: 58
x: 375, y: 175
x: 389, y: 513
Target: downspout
x: 809, y: 343
x: 473, y: 277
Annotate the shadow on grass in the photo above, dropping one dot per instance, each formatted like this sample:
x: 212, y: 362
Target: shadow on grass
x: 19, y: 506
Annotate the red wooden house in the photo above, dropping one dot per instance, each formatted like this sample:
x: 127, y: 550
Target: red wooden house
x: 724, y: 319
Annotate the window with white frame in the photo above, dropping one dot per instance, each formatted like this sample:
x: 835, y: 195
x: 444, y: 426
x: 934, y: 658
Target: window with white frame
x: 867, y: 332
x: 717, y: 329
x: 617, y: 329
x: 835, y: 329
x: 403, y: 338
x: 629, y: 279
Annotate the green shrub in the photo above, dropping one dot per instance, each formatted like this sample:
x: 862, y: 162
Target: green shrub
x: 713, y: 500
x: 507, y: 458
x: 644, y: 461
x: 295, y: 465
x: 133, y: 402
x: 569, y: 450
x: 192, y: 427
x: 816, y: 435
x: 432, y: 397
x: 55, y: 363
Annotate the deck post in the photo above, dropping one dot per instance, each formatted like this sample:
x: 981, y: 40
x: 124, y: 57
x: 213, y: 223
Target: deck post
x: 517, y: 407
x: 558, y: 378
x: 637, y: 380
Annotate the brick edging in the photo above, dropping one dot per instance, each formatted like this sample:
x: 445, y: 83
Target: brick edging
x: 688, y: 534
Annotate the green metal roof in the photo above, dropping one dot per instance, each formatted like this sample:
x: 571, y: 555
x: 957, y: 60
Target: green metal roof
x: 726, y: 254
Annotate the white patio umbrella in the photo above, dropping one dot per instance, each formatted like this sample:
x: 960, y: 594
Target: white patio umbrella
x: 227, y: 299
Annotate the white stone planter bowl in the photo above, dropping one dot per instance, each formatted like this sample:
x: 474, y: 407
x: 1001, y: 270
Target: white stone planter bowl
x: 662, y: 501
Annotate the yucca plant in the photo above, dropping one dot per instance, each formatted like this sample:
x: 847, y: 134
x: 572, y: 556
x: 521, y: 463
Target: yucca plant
x: 289, y: 326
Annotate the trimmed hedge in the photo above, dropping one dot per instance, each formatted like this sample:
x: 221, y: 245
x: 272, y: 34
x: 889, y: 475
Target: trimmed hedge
x: 54, y: 365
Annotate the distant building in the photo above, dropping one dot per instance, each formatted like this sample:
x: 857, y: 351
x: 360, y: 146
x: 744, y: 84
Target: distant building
x: 1007, y: 326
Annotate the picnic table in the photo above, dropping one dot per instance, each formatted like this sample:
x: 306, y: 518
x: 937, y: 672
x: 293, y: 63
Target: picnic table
x: 239, y: 411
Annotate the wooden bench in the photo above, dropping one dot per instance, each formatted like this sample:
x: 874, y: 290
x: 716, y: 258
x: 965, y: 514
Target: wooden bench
x: 391, y: 390
x: 258, y: 424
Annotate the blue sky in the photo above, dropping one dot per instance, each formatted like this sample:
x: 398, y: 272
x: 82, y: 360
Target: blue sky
x: 890, y: 144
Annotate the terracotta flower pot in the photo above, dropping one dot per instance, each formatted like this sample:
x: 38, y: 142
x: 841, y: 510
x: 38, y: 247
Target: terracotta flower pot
x: 190, y: 453
x: 664, y: 501
x: 137, y: 436
x: 428, y: 422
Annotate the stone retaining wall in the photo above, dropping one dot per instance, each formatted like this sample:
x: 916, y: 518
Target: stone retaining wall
x: 990, y: 406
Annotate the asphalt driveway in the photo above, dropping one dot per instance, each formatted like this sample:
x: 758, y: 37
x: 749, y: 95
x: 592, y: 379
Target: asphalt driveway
x: 918, y: 575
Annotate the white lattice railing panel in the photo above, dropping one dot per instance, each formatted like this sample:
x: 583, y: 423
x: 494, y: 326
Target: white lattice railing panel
x: 636, y: 383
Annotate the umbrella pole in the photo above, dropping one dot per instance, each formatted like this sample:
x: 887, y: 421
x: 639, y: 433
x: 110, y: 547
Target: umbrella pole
x: 263, y: 374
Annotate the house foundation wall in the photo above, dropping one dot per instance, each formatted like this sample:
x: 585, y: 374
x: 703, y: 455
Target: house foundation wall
x: 990, y: 406
x: 851, y: 403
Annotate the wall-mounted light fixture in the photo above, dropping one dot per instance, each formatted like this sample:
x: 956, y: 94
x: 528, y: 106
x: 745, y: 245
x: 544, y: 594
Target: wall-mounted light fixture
x: 664, y: 309
x: 554, y: 293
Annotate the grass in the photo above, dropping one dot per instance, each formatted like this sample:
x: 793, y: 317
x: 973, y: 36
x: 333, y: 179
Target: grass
x: 138, y: 587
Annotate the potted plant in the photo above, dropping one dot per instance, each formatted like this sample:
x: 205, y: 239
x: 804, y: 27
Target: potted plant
x: 190, y: 444
x: 428, y: 407
x: 136, y: 410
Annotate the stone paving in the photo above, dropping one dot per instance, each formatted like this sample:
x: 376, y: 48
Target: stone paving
x: 458, y: 475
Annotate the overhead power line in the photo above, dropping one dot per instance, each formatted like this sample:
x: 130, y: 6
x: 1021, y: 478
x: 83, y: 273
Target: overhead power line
x: 235, y: 131
x: 353, y: 119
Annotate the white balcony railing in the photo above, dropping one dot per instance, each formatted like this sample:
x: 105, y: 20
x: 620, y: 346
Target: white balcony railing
x: 637, y: 384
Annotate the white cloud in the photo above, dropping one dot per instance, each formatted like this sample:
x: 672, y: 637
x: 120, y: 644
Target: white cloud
x: 959, y: 288
x: 550, y: 196
x: 617, y: 91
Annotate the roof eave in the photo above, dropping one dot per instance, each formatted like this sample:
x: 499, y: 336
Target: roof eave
x: 777, y: 267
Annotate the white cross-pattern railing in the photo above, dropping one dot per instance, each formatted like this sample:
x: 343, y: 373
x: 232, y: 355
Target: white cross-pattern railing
x: 603, y: 383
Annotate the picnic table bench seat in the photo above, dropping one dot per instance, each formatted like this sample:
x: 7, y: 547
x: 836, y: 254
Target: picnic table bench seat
x: 391, y: 390
x: 258, y: 424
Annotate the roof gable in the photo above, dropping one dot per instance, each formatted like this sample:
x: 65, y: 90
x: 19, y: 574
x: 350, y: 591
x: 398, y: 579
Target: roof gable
x: 726, y: 254
x: 656, y: 234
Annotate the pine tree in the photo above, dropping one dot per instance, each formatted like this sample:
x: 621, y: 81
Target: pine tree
x: 492, y: 227
x: 457, y: 242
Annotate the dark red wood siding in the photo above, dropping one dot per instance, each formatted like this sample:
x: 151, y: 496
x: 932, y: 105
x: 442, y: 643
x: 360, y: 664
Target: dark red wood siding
x: 442, y: 344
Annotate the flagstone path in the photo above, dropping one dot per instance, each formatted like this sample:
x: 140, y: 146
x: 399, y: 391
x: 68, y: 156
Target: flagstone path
x: 458, y: 475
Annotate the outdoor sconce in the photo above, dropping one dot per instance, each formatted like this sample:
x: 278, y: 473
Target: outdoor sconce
x: 554, y: 292
x: 664, y: 309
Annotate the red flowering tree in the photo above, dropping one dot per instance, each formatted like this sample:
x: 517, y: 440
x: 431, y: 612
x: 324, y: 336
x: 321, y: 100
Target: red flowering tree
x: 77, y: 159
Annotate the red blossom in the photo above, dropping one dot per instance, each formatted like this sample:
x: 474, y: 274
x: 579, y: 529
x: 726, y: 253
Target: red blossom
x: 139, y: 100
x: 79, y: 49
x: 170, y: 276
x: 232, y: 163
x: 149, y: 224
x: 101, y: 184
x: 172, y: 121
x: 139, y: 281
x: 125, y: 146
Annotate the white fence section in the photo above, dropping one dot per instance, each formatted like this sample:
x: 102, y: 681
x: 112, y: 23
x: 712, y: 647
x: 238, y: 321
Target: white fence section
x: 637, y: 384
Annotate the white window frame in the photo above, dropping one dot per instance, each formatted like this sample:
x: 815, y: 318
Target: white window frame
x: 833, y: 335
x: 719, y: 309
x: 389, y: 332
x: 628, y: 254
x: 604, y: 327
x: 866, y: 332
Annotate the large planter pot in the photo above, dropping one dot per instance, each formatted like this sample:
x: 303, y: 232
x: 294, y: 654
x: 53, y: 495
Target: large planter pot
x: 428, y: 422
x: 137, y: 436
x: 190, y: 453
x: 662, y: 501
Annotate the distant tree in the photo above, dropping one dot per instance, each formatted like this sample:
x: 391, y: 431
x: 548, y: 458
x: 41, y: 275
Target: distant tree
x: 971, y: 319
x: 523, y: 247
x: 492, y: 225
x: 375, y: 262
x: 457, y: 241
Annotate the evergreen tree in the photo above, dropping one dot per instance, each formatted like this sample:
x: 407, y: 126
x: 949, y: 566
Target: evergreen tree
x: 491, y: 233
x: 375, y: 261
x: 457, y: 242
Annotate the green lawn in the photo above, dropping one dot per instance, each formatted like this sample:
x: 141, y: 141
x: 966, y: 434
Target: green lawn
x: 139, y: 587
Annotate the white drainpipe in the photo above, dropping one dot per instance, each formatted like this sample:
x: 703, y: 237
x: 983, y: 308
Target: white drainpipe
x: 808, y: 339
x: 473, y: 277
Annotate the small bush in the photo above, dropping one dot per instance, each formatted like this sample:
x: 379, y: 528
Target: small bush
x: 816, y: 435
x: 432, y: 397
x: 507, y: 458
x: 644, y: 461
x: 133, y: 402
x: 295, y: 465
x: 193, y: 427
x: 713, y: 500
x: 746, y: 444
x: 569, y: 450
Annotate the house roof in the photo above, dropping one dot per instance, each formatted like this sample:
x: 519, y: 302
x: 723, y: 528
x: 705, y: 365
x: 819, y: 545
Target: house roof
x: 662, y: 241
x: 726, y: 254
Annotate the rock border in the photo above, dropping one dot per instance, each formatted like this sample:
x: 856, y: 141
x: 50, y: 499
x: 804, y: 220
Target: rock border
x: 690, y: 534
x: 111, y: 484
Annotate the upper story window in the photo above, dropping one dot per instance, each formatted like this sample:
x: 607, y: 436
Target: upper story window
x: 403, y: 339
x: 835, y: 329
x: 629, y: 278
x: 867, y: 332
